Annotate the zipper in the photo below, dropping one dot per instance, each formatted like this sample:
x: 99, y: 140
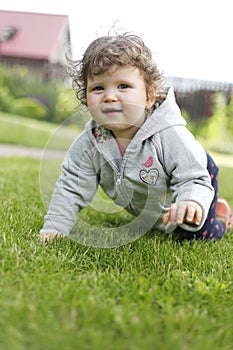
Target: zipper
x: 120, y: 173
x: 122, y: 190
x: 118, y: 181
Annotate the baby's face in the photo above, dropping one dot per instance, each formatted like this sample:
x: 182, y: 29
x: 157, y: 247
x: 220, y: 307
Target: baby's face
x: 118, y: 99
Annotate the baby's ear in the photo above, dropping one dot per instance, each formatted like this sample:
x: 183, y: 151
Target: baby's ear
x: 150, y: 100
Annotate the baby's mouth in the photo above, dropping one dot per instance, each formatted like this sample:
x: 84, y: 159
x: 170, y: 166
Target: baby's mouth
x: 111, y: 111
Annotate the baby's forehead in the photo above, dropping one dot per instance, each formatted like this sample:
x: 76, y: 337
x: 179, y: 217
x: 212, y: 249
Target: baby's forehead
x: 100, y: 68
x: 110, y: 69
x: 116, y: 74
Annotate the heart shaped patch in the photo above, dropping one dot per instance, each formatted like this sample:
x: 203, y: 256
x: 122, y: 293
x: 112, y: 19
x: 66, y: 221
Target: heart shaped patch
x: 150, y: 177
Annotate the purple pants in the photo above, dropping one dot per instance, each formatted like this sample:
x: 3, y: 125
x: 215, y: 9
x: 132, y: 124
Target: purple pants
x: 213, y: 229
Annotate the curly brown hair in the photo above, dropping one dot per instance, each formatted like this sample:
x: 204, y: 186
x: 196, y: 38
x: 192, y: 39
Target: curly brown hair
x: 117, y: 50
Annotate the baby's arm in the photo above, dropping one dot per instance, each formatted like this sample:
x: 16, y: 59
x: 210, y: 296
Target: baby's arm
x: 74, y: 190
x: 184, y: 211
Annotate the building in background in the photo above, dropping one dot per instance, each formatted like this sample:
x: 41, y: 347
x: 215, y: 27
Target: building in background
x: 35, y: 40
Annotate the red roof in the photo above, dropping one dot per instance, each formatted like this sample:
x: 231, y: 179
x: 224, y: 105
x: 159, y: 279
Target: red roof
x: 38, y: 35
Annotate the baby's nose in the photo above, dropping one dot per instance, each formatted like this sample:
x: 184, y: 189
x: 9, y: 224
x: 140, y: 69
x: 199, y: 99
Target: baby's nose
x: 110, y: 95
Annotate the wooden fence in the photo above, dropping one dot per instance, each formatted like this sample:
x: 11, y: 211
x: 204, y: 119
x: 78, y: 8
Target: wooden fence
x: 197, y: 96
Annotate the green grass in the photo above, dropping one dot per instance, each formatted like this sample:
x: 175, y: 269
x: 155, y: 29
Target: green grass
x: 34, y: 133
x: 154, y: 293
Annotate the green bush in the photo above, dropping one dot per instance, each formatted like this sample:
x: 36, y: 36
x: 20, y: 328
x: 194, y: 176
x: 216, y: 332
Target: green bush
x: 216, y: 133
x: 229, y: 115
x: 25, y: 92
x: 6, y: 99
x: 217, y: 126
x: 29, y: 107
x: 66, y: 104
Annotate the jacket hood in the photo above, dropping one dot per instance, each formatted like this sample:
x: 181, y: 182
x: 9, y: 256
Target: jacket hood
x: 168, y: 114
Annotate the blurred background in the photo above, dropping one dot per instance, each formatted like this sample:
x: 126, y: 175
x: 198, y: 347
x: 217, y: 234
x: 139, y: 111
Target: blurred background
x: 190, y: 40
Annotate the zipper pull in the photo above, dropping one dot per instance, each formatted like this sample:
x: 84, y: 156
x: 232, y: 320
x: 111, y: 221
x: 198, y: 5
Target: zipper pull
x: 119, y: 177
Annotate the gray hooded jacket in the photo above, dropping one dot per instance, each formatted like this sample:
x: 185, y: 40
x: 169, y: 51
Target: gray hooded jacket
x: 162, y: 164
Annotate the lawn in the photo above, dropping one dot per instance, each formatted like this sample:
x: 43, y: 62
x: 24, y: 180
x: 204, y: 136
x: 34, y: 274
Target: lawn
x: 154, y: 293
x: 34, y: 133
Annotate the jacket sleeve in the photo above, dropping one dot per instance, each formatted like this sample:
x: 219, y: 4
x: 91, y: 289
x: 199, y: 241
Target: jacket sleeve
x: 185, y: 162
x: 74, y: 190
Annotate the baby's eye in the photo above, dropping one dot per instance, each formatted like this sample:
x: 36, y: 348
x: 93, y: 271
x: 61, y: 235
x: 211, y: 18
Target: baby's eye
x: 98, y: 88
x: 123, y: 86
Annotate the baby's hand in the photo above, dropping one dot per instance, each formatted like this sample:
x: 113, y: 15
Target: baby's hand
x: 48, y: 236
x: 183, y: 211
